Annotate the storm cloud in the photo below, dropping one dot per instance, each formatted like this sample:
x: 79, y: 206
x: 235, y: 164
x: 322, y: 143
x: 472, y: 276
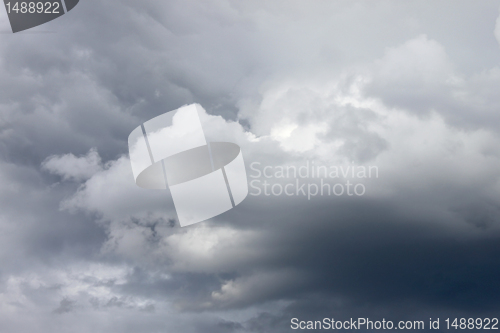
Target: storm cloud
x: 408, y: 87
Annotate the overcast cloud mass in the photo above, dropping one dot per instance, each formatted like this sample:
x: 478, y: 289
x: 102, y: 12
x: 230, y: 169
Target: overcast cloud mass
x: 411, y: 87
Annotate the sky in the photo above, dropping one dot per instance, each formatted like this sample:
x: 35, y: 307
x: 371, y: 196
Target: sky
x: 409, y: 87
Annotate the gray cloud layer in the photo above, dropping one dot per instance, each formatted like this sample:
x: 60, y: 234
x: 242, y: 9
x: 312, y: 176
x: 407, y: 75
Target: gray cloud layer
x: 407, y: 86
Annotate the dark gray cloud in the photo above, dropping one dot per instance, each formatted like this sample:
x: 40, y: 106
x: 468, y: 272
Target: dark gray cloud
x: 408, y: 87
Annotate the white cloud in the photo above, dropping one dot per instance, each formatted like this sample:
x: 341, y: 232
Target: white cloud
x: 331, y: 121
x: 252, y: 287
x: 497, y: 30
x: 418, y: 61
x: 70, y: 167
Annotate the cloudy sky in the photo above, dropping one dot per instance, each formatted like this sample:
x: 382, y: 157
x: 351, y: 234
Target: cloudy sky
x: 411, y: 87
